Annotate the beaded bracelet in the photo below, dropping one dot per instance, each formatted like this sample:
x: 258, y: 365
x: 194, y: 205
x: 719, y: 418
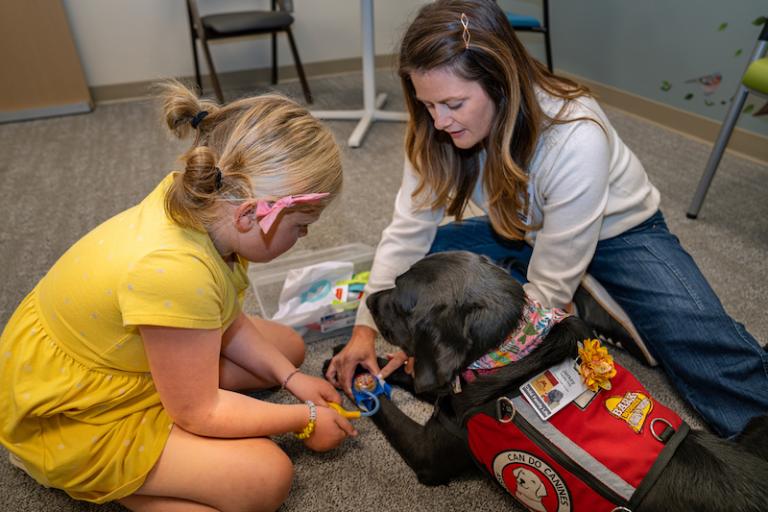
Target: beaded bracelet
x: 285, y: 381
x: 310, y: 428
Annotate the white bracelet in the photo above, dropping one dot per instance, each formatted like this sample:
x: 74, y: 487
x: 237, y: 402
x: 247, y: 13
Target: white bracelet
x: 312, y: 410
x: 310, y: 428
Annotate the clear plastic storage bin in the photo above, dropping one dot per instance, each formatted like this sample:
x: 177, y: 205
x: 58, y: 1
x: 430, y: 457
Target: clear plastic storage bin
x: 267, y: 278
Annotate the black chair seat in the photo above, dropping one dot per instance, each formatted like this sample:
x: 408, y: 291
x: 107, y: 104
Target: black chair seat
x: 232, y: 24
x: 221, y: 26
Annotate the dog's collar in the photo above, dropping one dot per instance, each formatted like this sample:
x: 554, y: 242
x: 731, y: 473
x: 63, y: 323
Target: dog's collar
x: 533, y: 327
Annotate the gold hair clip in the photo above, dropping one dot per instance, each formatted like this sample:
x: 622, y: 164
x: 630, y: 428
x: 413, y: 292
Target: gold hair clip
x: 465, y: 23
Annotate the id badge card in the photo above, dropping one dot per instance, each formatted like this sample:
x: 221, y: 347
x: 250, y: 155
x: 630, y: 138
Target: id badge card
x: 554, y: 388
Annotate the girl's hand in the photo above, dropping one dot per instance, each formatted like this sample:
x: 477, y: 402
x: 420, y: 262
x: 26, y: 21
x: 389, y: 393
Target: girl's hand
x: 360, y: 349
x: 305, y: 387
x: 330, y: 430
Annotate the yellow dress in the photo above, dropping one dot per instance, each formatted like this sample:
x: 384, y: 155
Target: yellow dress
x: 78, y: 406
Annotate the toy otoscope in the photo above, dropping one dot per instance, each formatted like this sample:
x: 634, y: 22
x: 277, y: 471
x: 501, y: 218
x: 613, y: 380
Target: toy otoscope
x: 366, y: 390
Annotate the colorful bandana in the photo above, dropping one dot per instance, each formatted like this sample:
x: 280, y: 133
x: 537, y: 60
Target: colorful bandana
x: 269, y: 211
x: 532, y: 329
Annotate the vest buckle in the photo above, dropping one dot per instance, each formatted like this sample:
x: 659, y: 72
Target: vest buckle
x: 505, y: 409
x: 665, y: 434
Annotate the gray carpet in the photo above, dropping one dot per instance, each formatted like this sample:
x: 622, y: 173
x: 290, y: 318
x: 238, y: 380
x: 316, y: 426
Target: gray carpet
x: 61, y: 177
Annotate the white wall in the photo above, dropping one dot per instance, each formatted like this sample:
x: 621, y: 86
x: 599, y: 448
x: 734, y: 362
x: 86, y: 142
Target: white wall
x: 124, y: 41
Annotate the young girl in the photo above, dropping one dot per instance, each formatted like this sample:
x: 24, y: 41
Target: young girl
x: 490, y: 124
x: 118, y: 370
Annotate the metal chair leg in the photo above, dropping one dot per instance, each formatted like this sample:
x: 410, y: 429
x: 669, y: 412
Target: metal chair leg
x: 212, y: 71
x: 194, y: 50
x: 547, y: 43
x: 299, y: 67
x: 548, y: 48
x: 717, y: 152
x: 274, y: 58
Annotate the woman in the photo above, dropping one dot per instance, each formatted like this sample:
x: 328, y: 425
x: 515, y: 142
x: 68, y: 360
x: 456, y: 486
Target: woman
x: 536, y: 152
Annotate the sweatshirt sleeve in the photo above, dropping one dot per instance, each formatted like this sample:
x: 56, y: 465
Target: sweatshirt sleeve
x: 406, y: 240
x: 571, y: 189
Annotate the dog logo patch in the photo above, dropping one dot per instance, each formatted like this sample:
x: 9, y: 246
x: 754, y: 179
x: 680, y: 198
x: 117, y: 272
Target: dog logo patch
x: 633, y: 408
x: 532, y: 481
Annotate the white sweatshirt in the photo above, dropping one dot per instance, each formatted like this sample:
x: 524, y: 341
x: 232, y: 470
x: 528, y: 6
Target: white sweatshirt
x: 584, y: 186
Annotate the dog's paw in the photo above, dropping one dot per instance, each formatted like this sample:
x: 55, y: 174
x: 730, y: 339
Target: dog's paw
x: 326, y: 364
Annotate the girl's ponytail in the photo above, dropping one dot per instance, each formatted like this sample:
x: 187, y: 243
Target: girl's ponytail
x: 262, y: 147
x: 194, y: 191
x: 184, y: 112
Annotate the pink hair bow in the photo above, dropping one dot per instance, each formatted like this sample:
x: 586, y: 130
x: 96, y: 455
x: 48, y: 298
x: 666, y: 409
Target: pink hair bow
x: 268, y: 211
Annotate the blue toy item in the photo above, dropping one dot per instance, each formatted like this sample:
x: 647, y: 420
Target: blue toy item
x: 366, y: 390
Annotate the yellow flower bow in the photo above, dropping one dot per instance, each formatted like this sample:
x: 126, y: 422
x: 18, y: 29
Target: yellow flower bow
x: 596, y: 367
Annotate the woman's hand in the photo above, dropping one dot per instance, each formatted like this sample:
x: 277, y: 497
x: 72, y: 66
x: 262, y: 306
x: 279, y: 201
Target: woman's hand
x: 395, y: 361
x: 360, y: 349
x: 306, y: 387
x: 330, y: 430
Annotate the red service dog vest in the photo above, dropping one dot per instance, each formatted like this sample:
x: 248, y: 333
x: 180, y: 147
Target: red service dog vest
x: 594, y: 457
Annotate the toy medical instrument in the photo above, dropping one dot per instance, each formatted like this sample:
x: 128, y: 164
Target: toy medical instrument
x: 366, y: 390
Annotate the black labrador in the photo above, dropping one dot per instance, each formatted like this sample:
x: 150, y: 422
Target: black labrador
x: 451, y: 308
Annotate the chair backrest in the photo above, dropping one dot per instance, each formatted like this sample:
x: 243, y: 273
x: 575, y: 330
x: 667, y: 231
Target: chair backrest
x: 195, y: 25
x: 283, y: 5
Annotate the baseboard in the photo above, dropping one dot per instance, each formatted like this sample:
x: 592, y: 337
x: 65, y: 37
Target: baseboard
x: 80, y: 107
x: 744, y: 143
x: 133, y: 90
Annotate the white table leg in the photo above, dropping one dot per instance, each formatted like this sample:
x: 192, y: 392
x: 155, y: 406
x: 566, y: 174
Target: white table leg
x: 371, y: 103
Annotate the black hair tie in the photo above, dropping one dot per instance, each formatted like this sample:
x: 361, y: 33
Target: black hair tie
x: 198, y: 118
x: 219, y: 178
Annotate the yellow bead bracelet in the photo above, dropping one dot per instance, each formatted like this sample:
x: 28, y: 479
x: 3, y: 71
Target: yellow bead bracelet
x: 310, y: 428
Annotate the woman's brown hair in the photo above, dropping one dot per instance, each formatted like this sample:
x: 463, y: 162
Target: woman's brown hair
x: 262, y: 147
x: 496, y: 59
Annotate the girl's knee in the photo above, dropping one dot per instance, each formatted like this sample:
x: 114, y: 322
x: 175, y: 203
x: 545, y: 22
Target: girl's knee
x: 272, y: 483
x: 297, y: 350
x: 286, y: 339
x: 282, y: 472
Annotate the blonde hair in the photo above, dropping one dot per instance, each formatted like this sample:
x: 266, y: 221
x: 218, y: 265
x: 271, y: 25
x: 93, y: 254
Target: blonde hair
x: 496, y: 59
x: 264, y: 147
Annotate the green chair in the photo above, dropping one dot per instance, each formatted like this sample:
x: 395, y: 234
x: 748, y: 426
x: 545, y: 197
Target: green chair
x: 755, y: 80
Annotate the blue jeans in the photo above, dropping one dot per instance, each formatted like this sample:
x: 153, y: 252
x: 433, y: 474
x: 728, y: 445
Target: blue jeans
x: 711, y: 359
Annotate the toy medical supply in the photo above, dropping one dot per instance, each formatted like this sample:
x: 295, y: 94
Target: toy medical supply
x: 307, y: 292
x: 366, y: 390
x: 350, y: 415
x: 321, y: 297
x: 348, y: 293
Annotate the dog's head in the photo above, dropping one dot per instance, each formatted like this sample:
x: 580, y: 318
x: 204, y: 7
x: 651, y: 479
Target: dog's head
x: 448, y: 310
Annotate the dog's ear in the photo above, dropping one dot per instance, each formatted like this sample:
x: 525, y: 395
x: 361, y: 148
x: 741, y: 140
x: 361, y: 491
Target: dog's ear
x: 440, y: 352
x: 493, y: 307
x: 434, y: 372
x: 485, y: 325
